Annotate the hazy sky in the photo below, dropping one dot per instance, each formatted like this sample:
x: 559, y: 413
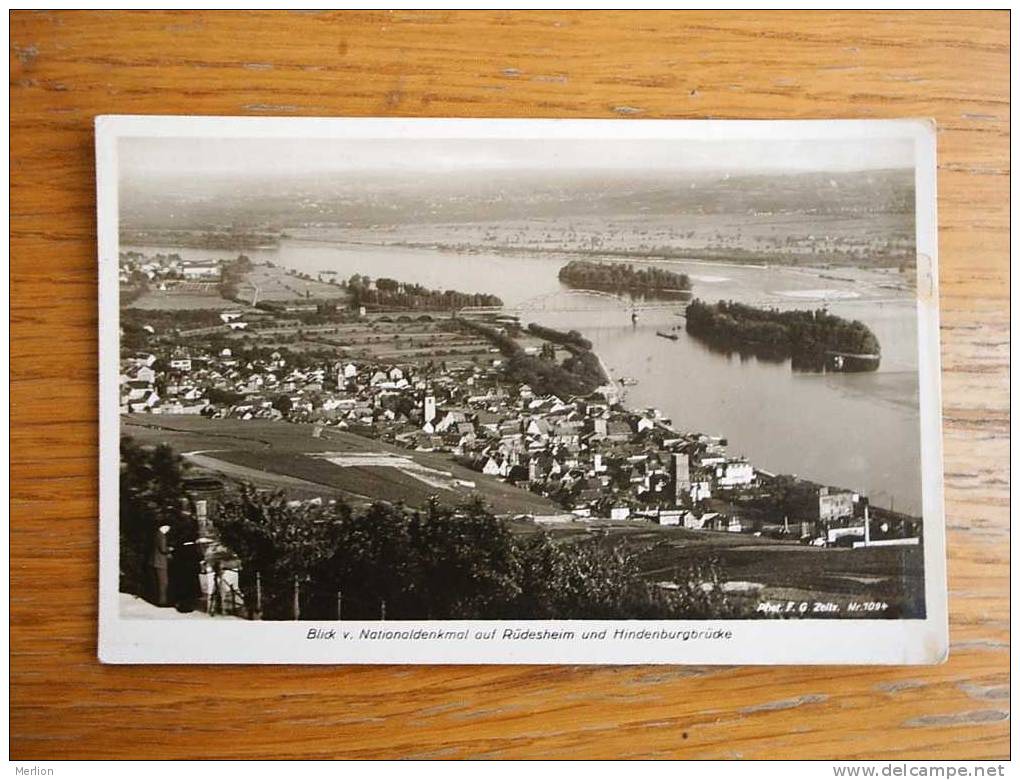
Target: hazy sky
x: 189, y: 156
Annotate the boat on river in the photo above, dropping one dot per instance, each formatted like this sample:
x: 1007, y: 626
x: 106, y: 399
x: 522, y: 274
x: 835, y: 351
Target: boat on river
x: 849, y: 362
x: 670, y: 336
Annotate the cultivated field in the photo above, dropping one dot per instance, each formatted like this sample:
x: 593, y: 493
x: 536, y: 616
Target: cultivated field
x: 413, y: 338
x: 275, y: 284
x: 169, y: 300
x: 288, y: 455
x: 871, y: 240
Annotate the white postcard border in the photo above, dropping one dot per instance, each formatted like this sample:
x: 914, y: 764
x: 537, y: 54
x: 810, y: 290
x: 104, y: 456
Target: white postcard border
x: 822, y: 641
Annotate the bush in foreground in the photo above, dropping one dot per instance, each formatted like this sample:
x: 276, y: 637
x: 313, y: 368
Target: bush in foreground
x: 440, y: 563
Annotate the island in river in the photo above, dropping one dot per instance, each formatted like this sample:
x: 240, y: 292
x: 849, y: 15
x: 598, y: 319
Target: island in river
x: 623, y: 278
x: 813, y: 340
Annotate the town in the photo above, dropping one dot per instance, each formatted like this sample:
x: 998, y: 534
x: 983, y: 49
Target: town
x: 437, y: 381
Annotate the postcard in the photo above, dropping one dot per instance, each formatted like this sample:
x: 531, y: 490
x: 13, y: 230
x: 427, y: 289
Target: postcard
x: 442, y: 391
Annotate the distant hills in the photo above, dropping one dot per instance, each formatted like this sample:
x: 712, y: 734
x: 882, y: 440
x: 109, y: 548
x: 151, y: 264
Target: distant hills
x: 367, y: 199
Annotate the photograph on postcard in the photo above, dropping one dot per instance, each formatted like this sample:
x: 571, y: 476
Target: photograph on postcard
x: 408, y: 373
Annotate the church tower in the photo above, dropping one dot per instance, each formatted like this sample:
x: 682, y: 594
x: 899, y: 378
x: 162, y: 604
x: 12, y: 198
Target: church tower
x: 428, y: 408
x: 681, y: 476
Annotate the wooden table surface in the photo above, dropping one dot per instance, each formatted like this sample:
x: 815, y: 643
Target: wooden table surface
x: 67, y: 67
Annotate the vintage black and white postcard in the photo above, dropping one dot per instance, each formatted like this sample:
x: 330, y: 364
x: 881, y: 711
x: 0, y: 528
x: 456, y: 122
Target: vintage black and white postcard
x: 519, y: 391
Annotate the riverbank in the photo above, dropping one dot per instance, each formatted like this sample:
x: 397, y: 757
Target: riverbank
x: 819, y: 425
x: 508, y: 346
x: 788, y: 422
x: 863, y: 238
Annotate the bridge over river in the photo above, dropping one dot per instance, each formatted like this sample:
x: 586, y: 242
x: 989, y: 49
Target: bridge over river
x: 577, y: 300
x: 597, y: 300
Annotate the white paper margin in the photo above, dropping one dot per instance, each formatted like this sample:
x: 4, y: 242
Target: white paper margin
x: 823, y: 641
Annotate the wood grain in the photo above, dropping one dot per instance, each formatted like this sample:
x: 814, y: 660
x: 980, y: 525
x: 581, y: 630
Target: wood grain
x: 67, y: 67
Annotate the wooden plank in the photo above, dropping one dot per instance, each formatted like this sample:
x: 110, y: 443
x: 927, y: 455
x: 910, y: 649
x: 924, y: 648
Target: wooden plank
x: 66, y: 67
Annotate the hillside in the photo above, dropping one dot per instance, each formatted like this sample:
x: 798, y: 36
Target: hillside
x: 278, y: 203
x: 287, y: 455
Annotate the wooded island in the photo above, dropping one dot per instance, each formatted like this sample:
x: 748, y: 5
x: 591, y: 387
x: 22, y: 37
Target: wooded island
x: 622, y: 277
x: 814, y: 339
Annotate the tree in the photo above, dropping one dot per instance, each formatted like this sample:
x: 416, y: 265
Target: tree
x: 283, y: 404
x: 281, y: 544
x: 151, y: 487
x: 466, y: 561
x: 441, y: 563
x: 371, y: 564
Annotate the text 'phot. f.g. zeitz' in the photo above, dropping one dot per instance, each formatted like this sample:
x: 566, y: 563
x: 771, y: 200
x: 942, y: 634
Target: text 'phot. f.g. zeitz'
x: 500, y: 378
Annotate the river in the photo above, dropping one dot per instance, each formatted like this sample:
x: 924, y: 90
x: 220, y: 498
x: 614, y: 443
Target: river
x: 858, y: 431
